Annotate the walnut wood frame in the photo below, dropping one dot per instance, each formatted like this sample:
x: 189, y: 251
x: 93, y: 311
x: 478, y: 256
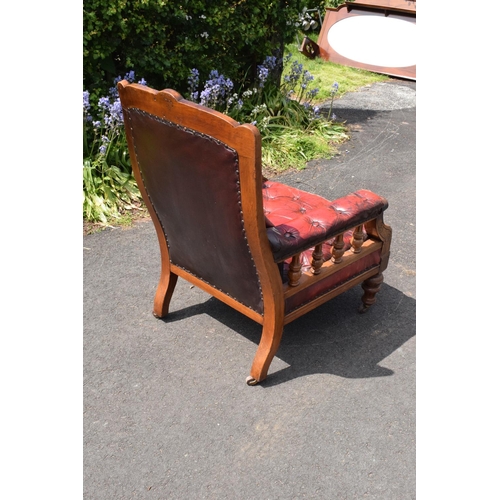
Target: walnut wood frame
x: 245, y: 139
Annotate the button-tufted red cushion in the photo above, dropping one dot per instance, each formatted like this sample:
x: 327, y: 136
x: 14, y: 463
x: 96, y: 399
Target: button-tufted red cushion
x: 298, y: 220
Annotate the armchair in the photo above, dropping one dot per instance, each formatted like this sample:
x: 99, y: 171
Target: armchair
x: 270, y: 251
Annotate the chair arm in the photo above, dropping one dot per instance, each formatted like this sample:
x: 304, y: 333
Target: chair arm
x: 323, y: 222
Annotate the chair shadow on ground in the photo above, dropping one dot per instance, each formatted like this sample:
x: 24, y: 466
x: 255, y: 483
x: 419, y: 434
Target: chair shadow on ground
x: 334, y: 338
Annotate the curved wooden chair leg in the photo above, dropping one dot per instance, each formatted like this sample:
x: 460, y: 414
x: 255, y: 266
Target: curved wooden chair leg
x: 371, y: 286
x: 164, y: 293
x: 270, y: 341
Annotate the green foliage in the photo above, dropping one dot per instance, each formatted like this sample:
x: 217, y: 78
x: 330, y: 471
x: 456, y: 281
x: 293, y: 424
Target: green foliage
x: 109, y: 187
x: 335, y: 3
x: 163, y: 39
x: 107, y: 191
x: 292, y: 148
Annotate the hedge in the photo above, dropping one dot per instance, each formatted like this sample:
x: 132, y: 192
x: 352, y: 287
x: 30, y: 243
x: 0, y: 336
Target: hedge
x: 162, y: 39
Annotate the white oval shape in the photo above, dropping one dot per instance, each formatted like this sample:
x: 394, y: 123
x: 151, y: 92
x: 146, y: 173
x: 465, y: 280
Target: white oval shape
x: 375, y: 40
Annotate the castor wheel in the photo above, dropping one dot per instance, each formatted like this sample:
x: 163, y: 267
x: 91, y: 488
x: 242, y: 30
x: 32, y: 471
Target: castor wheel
x: 251, y: 381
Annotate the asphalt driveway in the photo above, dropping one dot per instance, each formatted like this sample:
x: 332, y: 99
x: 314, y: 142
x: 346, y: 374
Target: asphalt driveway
x: 336, y: 417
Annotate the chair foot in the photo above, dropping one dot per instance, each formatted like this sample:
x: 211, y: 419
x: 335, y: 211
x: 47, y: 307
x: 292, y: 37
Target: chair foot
x: 371, y: 286
x: 272, y: 331
x: 163, y: 295
x: 251, y: 381
x: 363, y: 308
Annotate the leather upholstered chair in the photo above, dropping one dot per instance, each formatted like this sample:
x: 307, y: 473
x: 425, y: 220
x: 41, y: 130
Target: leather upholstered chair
x: 268, y: 250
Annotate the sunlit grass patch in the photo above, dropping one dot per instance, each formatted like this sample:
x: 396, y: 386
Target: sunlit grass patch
x: 326, y: 73
x: 288, y: 148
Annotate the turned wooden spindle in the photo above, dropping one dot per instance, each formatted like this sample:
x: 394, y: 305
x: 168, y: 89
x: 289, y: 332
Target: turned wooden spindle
x: 357, y: 239
x: 294, y: 270
x: 317, y: 259
x: 338, y: 248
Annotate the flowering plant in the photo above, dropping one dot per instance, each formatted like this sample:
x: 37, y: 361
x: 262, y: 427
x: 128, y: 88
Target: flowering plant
x: 108, y: 183
x: 265, y: 104
x: 292, y: 127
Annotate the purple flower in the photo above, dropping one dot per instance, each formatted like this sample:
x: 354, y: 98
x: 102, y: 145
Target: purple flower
x: 103, y: 103
x: 263, y: 74
x: 113, y: 92
x: 114, y: 117
x: 193, y: 83
x: 130, y: 76
x: 86, y: 106
x: 217, y: 90
x: 270, y: 62
x: 116, y: 110
x: 86, y: 100
x: 306, y: 79
x: 104, y: 146
x: 312, y: 93
x: 295, y: 73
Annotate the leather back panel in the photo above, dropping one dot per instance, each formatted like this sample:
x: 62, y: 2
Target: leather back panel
x: 193, y: 183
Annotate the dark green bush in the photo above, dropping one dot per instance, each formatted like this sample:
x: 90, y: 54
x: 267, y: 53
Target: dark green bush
x: 163, y: 39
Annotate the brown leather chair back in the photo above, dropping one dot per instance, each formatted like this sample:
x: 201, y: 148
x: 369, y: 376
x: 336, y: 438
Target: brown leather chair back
x: 193, y: 183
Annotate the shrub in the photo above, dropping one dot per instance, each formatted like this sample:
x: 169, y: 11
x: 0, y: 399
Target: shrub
x: 163, y: 39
